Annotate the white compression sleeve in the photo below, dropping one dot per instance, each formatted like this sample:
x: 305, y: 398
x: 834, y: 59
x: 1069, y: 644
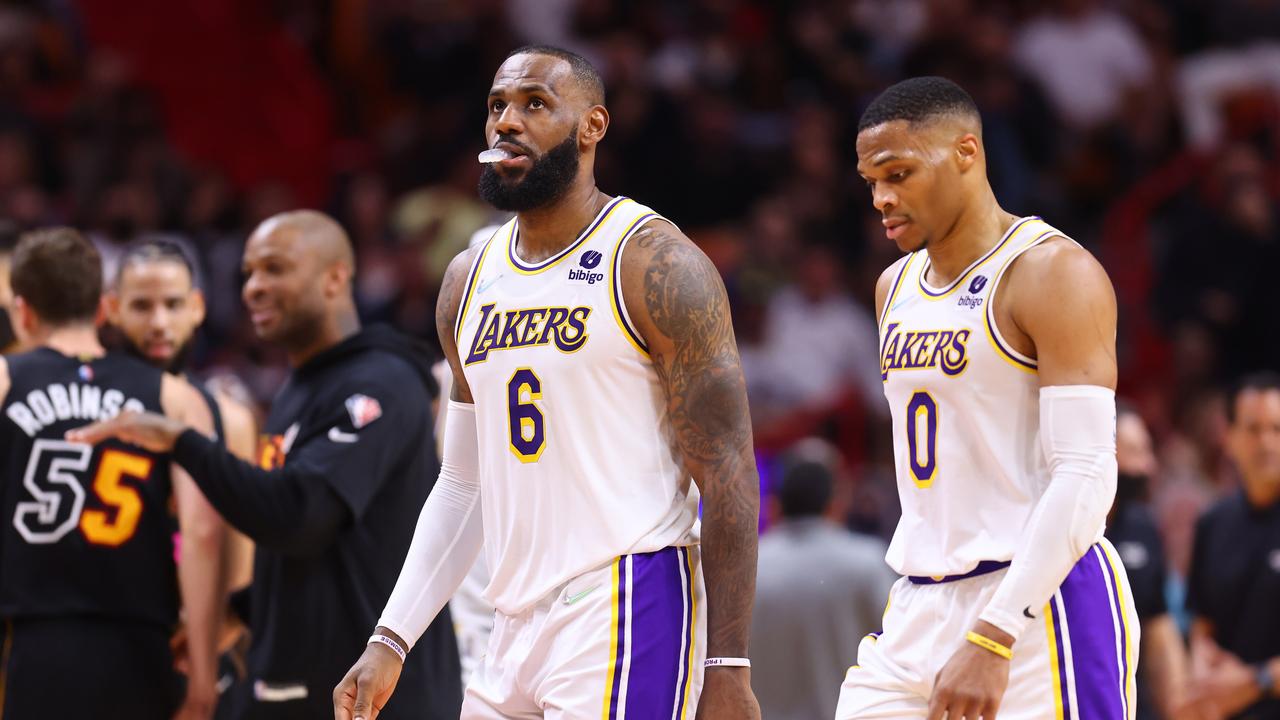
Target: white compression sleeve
x: 448, y: 536
x: 1077, y: 435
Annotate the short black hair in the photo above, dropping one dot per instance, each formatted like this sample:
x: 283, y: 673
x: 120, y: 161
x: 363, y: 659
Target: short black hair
x: 156, y: 249
x: 805, y: 489
x: 1263, y: 381
x: 583, y: 71
x: 917, y: 100
x: 58, y: 273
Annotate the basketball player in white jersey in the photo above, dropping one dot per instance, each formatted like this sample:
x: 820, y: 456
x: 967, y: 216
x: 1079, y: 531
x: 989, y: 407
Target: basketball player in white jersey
x: 598, y: 393
x: 997, y: 345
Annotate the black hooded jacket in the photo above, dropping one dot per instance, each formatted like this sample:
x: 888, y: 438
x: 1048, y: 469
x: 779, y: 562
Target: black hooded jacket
x: 346, y: 461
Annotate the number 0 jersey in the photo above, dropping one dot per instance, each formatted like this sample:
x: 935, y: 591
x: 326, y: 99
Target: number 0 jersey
x: 576, y: 459
x: 84, y: 530
x: 966, y: 414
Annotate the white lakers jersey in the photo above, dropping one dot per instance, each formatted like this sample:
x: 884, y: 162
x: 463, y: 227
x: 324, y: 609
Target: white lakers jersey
x: 965, y: 409
x: 576, y: 462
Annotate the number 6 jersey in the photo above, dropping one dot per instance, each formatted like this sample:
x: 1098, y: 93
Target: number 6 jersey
x: 966, y: 414
x: 576, y: 458
x: 84, y: 530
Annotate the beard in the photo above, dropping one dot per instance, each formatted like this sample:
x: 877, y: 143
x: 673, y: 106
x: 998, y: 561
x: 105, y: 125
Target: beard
x: 177, y: 365
x: 547, y: 180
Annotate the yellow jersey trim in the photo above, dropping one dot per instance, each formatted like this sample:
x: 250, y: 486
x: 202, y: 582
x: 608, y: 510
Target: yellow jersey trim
x: 693, y: 623
x: 893, y: 291
x: 524, y: 268
x: 473, y: 281
x: 1008, y: 354
x: 1130, y: 679
x: 1054, y: 661
x: 613, y: 645
x: 931, y: 294
x: 616, y: 299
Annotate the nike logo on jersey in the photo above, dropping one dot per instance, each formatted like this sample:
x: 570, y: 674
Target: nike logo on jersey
x: 571, y: 599
x: 487, y: 284
x: 339, y: 436
x: 532, y: 327
x: 1027, y: 612
x: 918, y: 350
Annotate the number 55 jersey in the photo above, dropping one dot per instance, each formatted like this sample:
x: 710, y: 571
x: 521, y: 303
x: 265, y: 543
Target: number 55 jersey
x: 86, y: 530
x: 576, y: 459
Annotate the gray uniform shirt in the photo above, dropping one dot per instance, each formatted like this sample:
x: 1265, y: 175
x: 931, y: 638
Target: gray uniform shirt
x: 819, y: 590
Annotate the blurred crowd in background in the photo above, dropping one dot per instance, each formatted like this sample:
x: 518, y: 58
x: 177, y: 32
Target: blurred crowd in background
x: 1148, y: 130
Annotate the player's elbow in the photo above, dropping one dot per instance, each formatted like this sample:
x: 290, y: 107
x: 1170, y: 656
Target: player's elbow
x: 1095, y: 484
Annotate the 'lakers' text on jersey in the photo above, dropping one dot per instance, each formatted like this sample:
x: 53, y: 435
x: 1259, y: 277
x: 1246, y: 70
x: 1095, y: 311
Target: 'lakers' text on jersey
x: 965, y: 409
x: 84, y: 530
x: 575, y: 447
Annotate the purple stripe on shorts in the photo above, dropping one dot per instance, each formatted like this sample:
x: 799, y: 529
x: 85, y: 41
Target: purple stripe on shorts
x: 1062, y: 658
x: 622, y: 637
x: 1088, y: 605
x: 690, y: 633
x: 1124, y: 635
x: 658, y: 639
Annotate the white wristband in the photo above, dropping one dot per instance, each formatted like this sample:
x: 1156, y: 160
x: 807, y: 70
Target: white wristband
x: 726, y: 662
x: 395, y: 646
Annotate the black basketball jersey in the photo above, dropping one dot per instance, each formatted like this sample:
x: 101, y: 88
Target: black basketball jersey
x: 84, y: 530
x: 214, y: 410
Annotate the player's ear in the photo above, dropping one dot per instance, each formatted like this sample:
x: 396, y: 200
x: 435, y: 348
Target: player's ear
x: 966, y: 151
x: 23, y: 320
x: 103, y: 314
x: 337, y: 279
x: 110, y: 307
x: 593, y: 125
x: 197, y: 305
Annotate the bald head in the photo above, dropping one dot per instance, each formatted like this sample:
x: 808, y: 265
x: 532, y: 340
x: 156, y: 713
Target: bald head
x: 314, y: 233
x: 298, y: 269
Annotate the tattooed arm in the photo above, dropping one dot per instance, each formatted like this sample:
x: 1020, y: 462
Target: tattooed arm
x: 678, y: 303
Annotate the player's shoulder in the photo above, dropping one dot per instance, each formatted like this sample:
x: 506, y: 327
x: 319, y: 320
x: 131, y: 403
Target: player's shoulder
x: 1058, y: 255
x: 118, y: 360
x: 125, y: 371
x: 462, y: 262
x: 454, y: 285
x: 388, y: 364
x: 659, y: 253
x: 234, y: 412
x: 888, y: 276
x: 1057, y: 267
x: 890, y: 273
x: 660, y: 235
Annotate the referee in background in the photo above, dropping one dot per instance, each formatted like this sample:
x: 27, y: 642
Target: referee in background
x: 341, y: 475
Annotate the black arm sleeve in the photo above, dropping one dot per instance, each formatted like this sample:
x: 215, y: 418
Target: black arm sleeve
x: 289, y: 509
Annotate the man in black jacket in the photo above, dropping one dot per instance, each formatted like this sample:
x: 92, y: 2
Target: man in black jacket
x: 343, y: 469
